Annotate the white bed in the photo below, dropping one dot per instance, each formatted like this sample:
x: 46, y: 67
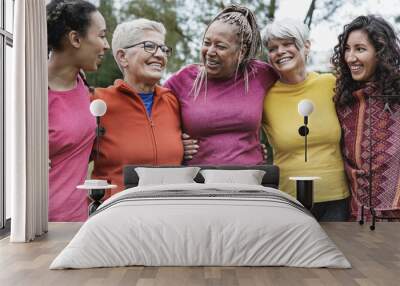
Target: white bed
x: 201, y: 225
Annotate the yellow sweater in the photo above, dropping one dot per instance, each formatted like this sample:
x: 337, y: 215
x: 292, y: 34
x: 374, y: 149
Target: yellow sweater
x: 281, y: 123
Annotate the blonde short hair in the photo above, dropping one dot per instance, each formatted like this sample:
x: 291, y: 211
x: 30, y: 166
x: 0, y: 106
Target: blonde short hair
x: 131, y: 32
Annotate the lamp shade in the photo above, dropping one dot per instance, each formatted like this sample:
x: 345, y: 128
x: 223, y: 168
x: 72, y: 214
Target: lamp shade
x: 305, y: 107
x: 98, y: 107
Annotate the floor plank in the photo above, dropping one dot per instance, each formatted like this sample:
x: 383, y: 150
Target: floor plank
x: 374, y: 255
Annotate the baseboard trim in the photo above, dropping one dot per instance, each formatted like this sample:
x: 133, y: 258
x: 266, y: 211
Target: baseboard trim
x: 5, y: 231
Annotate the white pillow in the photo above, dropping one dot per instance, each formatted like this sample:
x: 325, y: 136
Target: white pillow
x: 248, y: 177
x: 162, y: 176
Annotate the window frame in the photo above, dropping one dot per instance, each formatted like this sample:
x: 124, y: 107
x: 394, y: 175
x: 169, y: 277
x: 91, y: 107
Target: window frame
x: 6, y: 39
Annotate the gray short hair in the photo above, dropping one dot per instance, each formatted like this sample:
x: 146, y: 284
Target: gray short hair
x: 287, y: 29
x: 131, y: 32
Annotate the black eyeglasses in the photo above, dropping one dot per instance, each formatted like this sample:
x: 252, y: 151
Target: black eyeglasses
x: 152, y: 47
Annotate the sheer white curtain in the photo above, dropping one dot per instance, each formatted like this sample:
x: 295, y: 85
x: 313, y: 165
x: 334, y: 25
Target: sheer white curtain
x: 26, y: 124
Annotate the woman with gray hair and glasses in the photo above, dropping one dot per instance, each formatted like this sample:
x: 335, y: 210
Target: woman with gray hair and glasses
x: 288, y: 46
x: 222, y: 97
x: 142, y: 122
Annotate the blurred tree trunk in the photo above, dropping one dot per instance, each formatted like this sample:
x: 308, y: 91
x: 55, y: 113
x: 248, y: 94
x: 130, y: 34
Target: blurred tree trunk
x: 310, y: 12
x: 326, y: 9
x: 272, y: 7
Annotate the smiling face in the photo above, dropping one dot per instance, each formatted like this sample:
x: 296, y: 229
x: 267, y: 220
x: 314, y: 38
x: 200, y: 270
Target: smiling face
x: 93, y: 46
x: 141, y: 67
x: 286, y: 58
x: 220, y: 51
x: 360, y: 56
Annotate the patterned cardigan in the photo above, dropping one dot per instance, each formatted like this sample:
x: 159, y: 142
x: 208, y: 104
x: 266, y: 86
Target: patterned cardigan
x: 371, y: 144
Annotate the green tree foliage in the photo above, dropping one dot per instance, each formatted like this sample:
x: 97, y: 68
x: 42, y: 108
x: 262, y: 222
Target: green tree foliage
x: 109, y: 70
x: 185, y: 22
x: 201, y: 12
x: 164, y: 11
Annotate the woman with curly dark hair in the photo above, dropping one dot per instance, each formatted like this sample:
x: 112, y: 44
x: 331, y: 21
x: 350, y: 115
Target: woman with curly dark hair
x: 367, y: 65
x: 76, y: 41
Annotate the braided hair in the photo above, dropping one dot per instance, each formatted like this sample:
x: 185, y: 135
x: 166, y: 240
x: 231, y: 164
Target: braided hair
x: 387, y: 46
x: 248, y: 34
x: 248, y: 31
x: 64, y: 16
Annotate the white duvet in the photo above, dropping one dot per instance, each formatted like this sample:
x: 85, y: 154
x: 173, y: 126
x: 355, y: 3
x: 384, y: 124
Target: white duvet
x: 185, y: 230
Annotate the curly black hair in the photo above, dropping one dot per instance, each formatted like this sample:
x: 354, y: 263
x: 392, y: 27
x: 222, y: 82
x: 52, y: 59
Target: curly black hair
x: 387, y: 45
x: 64, y: 16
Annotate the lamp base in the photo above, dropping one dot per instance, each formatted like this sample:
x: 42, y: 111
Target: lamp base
x: 305, y: 190
x: 305, y: 193
x: 95, y: 195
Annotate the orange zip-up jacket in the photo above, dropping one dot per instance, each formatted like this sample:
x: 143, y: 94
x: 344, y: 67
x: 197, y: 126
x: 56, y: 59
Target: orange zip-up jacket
x: 131, y: 136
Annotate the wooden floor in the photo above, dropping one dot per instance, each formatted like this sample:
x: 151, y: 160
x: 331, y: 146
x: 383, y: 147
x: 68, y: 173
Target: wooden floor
x: 374, y: 255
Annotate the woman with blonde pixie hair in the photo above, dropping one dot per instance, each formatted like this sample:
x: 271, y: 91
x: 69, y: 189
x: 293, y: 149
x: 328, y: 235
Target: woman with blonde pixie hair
x: 142, y: 122
x: 288, y: 46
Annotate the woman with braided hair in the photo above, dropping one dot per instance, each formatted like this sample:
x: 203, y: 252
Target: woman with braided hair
x: 222, y: 97
x: 367, y: 64
x: 76, y: 41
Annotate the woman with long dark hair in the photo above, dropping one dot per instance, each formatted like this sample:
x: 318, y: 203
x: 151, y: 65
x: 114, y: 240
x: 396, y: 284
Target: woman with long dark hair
x: 367, y: 65
x: 76, y: 41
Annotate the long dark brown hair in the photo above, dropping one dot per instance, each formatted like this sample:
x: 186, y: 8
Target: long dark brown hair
x: 387, y: 46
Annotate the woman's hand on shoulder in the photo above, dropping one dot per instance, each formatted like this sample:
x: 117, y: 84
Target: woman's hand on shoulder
x: 190, y: 146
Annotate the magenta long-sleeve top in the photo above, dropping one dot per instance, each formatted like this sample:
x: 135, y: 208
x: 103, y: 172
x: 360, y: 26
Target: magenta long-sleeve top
x: 226, y: 119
